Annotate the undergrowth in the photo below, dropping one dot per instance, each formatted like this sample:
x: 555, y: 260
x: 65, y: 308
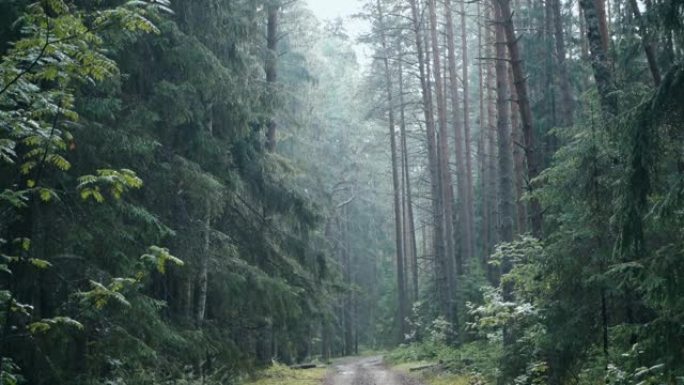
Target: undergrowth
x: 471, y: 363
x: 279, y: 374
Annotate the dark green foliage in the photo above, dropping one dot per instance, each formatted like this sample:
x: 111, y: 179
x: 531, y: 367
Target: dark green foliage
x: 131, y: 140
x: 149, y: 235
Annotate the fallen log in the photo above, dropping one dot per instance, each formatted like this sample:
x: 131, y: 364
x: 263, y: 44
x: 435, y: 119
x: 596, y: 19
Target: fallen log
x: 303, y: 366
x: 422, y: 367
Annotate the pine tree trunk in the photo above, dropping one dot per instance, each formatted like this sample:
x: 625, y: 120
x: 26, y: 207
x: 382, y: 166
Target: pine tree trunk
x: 647, y: 42
x: 203, y: 276
x: 482, y: 153
x: 567, y: 103
x: 492, y: 133
x: 188, y: 294
x: 583, y: 33
x: 520, y: 81
x: 411, y: 224
x: 445, y: 265
x: 405, y: 236
x: 599, y: 59
x: 346, y: 264
x: 505, y: 158
x: 395, y: 182
x: 518, y: 160
x: 459, y: 142
x: 600, y: 6
x: 424, y: 72
x: 439, y: 238
x: 271, y: 69
x: 470, y: 206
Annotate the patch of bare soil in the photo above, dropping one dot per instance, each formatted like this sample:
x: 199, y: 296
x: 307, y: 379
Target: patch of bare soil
x: 366, y: 371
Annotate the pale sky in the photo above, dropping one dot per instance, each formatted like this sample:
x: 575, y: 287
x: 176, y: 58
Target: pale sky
x: 331, y: 9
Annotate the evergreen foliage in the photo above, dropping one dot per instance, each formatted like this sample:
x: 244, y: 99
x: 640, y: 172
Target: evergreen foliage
x: 193, y: 190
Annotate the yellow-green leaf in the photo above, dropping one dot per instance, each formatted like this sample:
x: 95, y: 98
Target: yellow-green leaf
x: 40, y: 263
x: 38, y: 327
x: 45, y: 195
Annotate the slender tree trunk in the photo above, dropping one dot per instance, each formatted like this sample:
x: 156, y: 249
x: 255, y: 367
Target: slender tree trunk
x: 395, y: 181
x: 520, y: 81
x: 466, y: 132
x: 600, y: 6
x: 599, y: 58
x: 439, y: 237
x: 203, y: 276
x: 506, y: 204
x: 446, y: 265
x: 188, y: 300
x: 347, y: 323
x: 459, y: 142
x: 405, y: 236
x: 424, y: 72
x: 411, y: 225
x: 567, y: 103
x: 518, y: 160
x: 483, y: 154
x: 647, y: 42
x: 505, y: 156
x: 271, y: 68
x: 492, y: 130
x: 584, y: 45
x: 549, y: 144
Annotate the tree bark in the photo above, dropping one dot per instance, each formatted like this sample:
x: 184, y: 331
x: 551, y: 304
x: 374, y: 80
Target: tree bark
x: 520, y: 81
x: 446, y: 264
x: 567, y: 103
x: 647, y: 42
x: 203, y: 276
x: 466, y: 132
x: 503, y: 133
x: 505, y: 157
x: 583, y: 33
x: 345, y: 262
x: 519, y: 168
x: 492, y: 131
x: 600, y: 6
x: 433, y: 164
x: 482, y: 142
x: 411, y: 236
x: 599, y: 58
x: 459, y: 142
x: 395, y: 181
x: 271, y: 69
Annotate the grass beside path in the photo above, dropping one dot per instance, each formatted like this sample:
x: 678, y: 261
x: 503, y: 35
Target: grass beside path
x: 282, y: 375
x: 431, y: 377
x: 471, y: 363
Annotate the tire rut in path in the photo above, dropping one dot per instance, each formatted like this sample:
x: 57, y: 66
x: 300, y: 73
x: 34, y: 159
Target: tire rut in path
x: 366, y: 371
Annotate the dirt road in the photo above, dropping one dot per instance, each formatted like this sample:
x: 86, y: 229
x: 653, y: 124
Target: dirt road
x: 365, y: 371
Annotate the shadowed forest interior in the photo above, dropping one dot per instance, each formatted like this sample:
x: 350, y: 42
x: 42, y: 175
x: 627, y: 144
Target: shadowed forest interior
x: 193, y: 191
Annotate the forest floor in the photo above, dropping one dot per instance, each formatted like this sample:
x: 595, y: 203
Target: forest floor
x: 365, y: 371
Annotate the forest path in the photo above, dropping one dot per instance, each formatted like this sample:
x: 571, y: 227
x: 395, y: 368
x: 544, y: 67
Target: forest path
x: 366, y: 371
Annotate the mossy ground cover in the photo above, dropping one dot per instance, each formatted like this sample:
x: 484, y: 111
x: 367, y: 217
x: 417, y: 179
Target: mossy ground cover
x: 282, y: 375
x: 471, y: 363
